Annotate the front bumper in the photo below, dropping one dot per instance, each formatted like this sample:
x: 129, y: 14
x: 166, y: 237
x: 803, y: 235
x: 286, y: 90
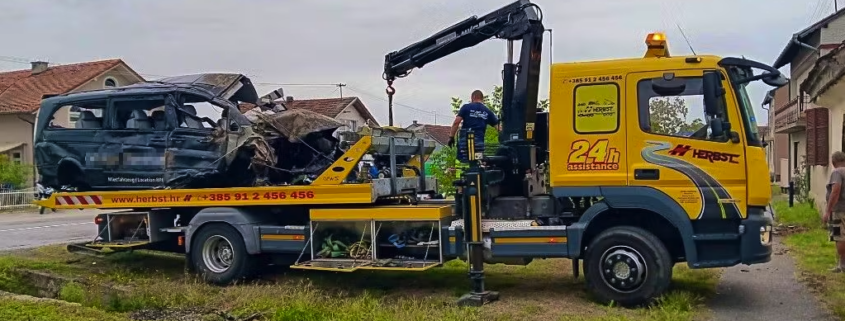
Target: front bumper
x: 756, y: 237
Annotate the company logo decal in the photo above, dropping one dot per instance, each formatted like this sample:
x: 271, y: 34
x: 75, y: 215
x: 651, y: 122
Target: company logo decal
x: 681, y: 150
x: 717, y: 201
x: 595, y: 156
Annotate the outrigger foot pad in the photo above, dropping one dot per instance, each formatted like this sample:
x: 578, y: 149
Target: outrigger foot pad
x: 475, y: 299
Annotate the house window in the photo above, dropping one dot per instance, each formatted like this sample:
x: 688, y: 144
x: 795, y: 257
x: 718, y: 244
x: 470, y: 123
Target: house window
x: 110, y: 83
x: 16, y: 158
x: 795, y: 155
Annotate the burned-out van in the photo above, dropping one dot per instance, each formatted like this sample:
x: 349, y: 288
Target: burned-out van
x: 151, y: 135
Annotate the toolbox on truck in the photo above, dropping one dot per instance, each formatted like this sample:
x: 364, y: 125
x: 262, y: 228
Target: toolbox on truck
x: 376, y: 238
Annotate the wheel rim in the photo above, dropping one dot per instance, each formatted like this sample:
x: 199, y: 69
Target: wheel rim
x: 218, y: 254
x: 623, y: 269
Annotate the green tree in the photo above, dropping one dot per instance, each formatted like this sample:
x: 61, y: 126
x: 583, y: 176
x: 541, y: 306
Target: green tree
x: 13, y: 173
x: 668, y: 115
x: 446, y: 158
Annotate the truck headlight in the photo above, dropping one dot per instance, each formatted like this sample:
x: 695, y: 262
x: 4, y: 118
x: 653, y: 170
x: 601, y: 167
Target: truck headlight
x: 766, y: 235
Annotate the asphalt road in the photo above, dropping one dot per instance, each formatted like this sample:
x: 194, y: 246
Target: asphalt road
x: 768, y: 291
x: 26, y: 230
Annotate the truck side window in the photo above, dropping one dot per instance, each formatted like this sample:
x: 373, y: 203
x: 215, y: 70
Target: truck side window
x: 82, y: 115
x: 674, y: 108
x: 596, y: 108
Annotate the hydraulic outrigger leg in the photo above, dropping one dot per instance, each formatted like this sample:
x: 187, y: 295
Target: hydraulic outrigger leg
x: 472, y: 198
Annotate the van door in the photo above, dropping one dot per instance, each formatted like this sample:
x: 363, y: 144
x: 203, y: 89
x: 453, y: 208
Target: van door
x: 140, y: 141
x: 672, y: 148
x: 196, y: 146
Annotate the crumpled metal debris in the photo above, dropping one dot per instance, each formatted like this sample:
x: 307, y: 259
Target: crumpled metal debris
x: 291, y: 146
x: 295, y: 124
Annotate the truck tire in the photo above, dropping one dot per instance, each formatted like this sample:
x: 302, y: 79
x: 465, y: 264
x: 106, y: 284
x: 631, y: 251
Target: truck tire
x: 219, y: 255
x: 628, y: 266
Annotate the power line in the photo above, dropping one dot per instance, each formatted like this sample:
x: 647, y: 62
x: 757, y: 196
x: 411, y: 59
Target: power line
x: 397, y: 104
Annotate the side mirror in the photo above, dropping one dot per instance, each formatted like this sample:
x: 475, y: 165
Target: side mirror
x: 716, y: 128
x: 713, y: 92
x: 778, y: 81
x: 234, y: 127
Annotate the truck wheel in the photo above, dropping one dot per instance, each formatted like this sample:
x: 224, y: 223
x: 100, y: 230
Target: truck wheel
x: 628, y: 266
x: 219, y: 255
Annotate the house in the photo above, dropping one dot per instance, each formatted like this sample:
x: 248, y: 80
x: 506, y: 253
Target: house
x: 439, y: 133
x: 348, y: 110
x: 824, y: 86
x: 777, y: 144
x: 21, y: 92
x: 791, y: 111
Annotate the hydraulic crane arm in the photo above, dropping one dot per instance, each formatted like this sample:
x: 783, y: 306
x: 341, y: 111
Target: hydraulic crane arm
x: 520, y: 20
x: 510, y: 22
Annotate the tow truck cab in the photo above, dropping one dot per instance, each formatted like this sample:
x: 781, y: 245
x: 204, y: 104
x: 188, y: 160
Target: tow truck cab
x: 666, y: 143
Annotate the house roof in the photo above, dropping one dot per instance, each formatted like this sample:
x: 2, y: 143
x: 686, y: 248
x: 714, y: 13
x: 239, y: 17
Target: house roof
x: 791, y: 50
x: 331, y: 107
x: 21, y: 91
x: 439, y: 133
x: 827, y: 72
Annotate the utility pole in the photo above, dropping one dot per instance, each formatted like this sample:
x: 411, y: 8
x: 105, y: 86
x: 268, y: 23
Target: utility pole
x: 340, y: 86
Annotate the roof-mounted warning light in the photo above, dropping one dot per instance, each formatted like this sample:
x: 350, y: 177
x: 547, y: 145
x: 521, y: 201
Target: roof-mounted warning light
x: 657, y: 46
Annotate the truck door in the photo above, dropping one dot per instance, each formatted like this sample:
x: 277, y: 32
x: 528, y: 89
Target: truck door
x: 671, y: 148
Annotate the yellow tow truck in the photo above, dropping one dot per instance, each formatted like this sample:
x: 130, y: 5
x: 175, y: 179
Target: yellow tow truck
x: 626, y: 199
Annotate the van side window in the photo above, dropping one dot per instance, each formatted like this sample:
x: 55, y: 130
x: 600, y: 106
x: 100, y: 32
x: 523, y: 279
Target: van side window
x: 596, y: 108
x: 81, y: 115
x: 201, y: 108
x: 139, y: 114
x: 674, y: 107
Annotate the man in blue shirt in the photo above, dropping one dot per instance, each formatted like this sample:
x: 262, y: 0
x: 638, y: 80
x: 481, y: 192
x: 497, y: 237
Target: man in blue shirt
x: 475, y: 116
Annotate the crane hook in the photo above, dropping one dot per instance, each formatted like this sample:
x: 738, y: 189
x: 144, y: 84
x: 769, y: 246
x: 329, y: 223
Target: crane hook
x: 390, y: 91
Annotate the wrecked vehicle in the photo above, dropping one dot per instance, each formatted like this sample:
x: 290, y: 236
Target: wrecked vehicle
x: 149, y: 135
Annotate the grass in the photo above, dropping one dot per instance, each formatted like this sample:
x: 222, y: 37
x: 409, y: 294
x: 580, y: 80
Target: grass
x: 543, y: 290
x: 802, y: 215
x: 809, y: 244
x: 16, y: 309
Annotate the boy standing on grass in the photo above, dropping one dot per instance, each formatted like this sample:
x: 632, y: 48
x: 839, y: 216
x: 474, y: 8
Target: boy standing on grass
x: 834, y: 213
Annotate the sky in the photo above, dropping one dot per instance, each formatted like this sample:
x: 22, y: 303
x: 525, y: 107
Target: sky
x: 304, y: 46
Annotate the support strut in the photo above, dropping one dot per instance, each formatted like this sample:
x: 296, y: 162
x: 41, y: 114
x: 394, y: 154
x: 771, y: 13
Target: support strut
x: 472, y: 213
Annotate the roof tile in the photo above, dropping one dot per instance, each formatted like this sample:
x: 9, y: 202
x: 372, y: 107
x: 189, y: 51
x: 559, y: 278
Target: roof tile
x: 21, y: 91
x: 439, y: 133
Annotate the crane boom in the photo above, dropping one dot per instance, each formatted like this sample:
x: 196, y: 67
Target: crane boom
x: 520, y: 20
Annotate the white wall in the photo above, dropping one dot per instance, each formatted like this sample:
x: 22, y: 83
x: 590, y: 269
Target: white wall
x: 350, y: 115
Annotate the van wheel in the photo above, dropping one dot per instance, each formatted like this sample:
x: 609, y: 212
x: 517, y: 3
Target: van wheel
x: 218, y: 254
x: 628, y: 266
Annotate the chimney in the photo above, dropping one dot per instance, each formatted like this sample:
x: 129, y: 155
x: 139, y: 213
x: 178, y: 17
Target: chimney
x: 39, y: 67
x: 289, y: 99
x: 415, y: 123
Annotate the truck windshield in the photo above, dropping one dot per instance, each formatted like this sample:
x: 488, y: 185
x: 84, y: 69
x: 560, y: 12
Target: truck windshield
x: 749, y: 121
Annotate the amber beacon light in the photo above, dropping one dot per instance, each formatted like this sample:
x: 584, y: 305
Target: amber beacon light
x: 657, y: 46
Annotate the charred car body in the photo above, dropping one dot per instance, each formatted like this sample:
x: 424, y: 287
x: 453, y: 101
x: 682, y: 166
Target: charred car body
x: 148, y: 135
